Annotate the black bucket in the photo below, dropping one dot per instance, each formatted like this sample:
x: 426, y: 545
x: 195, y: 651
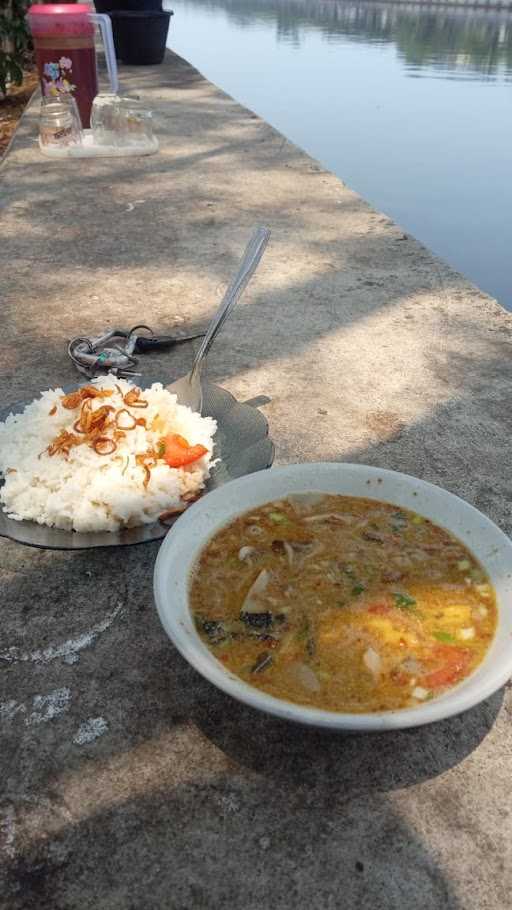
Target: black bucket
x: 134, y: 6
x: 104, y: 6
x: 140, y: 37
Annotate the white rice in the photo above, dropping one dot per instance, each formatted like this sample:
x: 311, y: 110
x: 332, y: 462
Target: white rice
x: 89, y: 492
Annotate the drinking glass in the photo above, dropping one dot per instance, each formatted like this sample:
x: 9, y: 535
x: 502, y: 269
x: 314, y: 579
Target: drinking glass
x: 120, y: 121
x: 134, y: 124
x: 68, y: 98
x: 59, y: 122
x: 104, y: 113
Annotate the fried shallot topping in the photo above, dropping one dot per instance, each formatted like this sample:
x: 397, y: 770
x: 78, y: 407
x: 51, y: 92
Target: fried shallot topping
x: 147, y: 460
x: 168, y: 517
x: 74, y: 399
x: 91, y: 426
x: 125, y: 420
x: 191, y: 497
x: 133, y: 400
x: 63, y: 443
x: 103, y: 445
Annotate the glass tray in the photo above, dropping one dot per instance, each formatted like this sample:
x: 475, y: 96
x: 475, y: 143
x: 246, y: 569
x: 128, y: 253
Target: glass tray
x: 88, y: 149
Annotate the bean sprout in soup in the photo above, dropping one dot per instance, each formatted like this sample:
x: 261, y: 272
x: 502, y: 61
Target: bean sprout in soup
x: 343, y: 603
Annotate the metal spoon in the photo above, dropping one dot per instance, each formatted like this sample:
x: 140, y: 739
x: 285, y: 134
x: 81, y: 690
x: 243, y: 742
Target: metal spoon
x: 189, y: 388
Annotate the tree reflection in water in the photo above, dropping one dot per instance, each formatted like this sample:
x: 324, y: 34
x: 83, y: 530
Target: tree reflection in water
x: 469, y: 41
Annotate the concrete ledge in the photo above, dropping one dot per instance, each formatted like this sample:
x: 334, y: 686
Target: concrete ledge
x: 372, y: 350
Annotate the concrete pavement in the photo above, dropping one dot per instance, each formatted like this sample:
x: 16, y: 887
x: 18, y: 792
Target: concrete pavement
x: 127, y: 781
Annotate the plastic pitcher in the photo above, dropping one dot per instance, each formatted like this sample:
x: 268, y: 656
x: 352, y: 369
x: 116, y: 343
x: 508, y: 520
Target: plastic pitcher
x: 63, y: 35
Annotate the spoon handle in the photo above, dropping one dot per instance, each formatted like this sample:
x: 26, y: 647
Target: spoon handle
x: 253, y: 253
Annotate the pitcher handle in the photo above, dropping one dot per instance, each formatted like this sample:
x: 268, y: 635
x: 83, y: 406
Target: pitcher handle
x: 105, y: 26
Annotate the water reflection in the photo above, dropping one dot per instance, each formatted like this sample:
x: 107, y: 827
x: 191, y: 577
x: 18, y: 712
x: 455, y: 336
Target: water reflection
x: 458, y: 42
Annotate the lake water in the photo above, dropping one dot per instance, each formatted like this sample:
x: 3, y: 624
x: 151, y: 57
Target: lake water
x: 410, y: 106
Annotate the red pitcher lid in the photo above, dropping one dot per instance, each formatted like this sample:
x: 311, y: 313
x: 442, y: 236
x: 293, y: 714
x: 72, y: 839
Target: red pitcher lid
x: 59, y: 9
x: 60, y: 20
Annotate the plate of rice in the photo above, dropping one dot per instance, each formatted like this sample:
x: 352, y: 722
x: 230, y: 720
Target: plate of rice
x: 111, y: 463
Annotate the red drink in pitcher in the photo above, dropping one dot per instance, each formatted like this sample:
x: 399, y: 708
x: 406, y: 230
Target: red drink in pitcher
x: 63, y: 36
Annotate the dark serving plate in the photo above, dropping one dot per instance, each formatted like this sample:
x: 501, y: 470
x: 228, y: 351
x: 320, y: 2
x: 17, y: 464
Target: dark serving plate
x: 242, y: 444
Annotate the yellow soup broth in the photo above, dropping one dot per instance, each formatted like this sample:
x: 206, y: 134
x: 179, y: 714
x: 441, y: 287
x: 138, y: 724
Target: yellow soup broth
x: 342, y: 603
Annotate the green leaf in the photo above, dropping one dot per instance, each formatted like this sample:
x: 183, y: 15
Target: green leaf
x: 15, y: 41
x: 278, y: 518
x: 399, y: 522
x: 444, y: 636
x: 477, y: 575
x: 357, y: 590
x: 404, y: 601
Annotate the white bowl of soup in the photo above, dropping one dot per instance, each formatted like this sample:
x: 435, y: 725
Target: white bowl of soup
x: 340, y: 596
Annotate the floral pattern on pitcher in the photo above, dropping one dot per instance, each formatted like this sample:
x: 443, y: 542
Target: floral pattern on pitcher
x: 58, y: 77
